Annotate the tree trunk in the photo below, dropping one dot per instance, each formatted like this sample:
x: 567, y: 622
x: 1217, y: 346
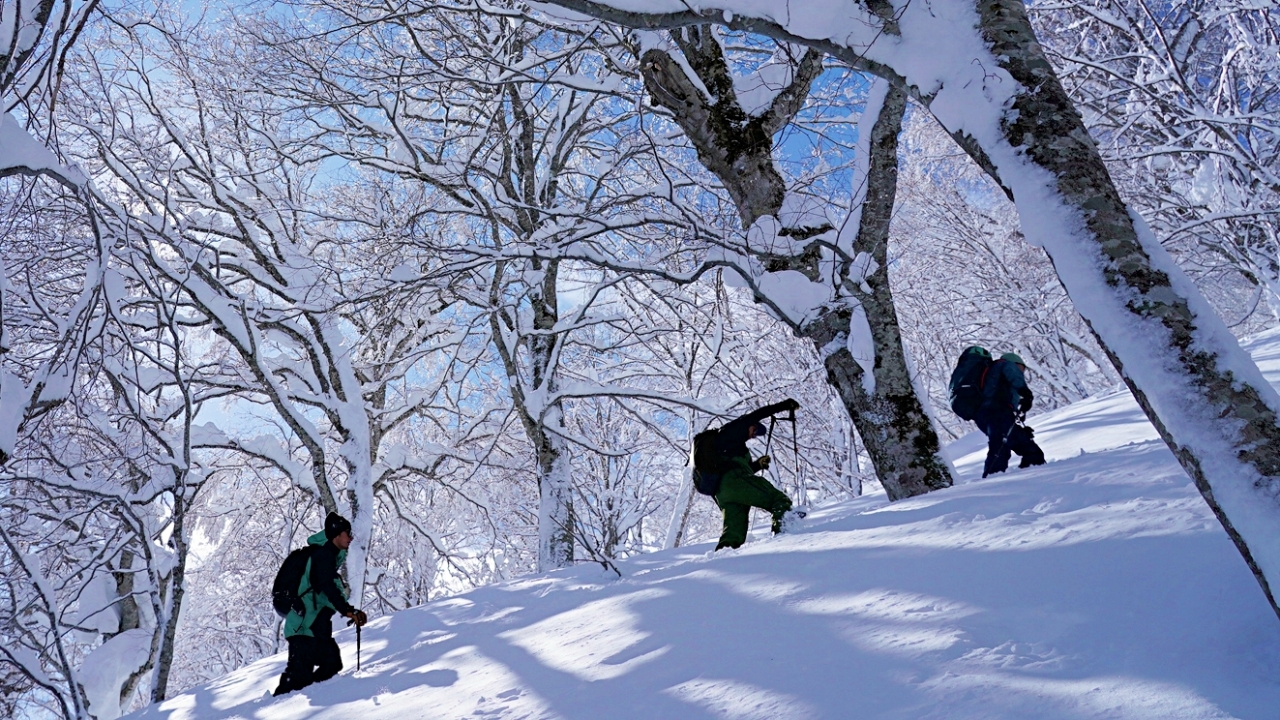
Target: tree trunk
x: 737, y: 148
x: 555, y: 499
x: 684, y: 497
x: 892, y: 421
x: 1197, y: 386
x: 177, y: 590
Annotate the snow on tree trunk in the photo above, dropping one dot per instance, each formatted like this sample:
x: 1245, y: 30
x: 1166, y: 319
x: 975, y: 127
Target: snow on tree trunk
x: 360, y: 496
x: 983, y: 75
x: 1202, y: 392
x: 555, y: 498
x: 533, y: 396
x: 737, y: 148
x: 684, y: 496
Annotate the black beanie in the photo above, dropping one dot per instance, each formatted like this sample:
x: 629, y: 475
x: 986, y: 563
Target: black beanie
x: 335, y: 525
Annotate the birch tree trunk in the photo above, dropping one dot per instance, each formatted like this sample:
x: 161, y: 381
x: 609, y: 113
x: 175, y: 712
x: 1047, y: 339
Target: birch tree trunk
x: 737, y: 147
x: 1002, y: 101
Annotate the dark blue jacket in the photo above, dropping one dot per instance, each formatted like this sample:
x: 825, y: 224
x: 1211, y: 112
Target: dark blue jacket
x: 1004, y: 387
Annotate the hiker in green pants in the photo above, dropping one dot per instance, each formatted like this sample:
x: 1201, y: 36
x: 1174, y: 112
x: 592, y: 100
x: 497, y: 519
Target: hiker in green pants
x: 740, y: 488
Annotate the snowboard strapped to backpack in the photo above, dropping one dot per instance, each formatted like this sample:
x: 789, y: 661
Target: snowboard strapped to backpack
x: 708, y: 462
x: 966, y: 381
x: 284, y: 591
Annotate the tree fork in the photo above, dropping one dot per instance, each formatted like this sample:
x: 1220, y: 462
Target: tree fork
x: 737, y: 148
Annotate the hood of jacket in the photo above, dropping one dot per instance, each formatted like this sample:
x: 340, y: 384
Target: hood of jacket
x: 320, y: 539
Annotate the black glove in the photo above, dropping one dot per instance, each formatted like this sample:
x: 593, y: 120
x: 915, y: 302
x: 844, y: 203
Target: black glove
x: 790, y: 404
x: 358, y: 618
x: 1025, y: 404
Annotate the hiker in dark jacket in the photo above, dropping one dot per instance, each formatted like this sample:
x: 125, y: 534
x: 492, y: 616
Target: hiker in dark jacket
x: 313, y: 653
x: 740, y: 488
x: 1005, y: 396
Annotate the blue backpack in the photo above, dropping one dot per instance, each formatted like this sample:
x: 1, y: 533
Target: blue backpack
x: 966, y: 381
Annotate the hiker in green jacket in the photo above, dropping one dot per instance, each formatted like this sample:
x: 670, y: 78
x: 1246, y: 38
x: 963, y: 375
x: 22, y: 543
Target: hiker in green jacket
x: 313, y: 653
x: 740, y: 488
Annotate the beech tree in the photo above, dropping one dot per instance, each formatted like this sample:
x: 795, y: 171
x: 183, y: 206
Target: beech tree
x: 855, y: 330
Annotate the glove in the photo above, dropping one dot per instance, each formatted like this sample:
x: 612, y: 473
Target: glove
x: 358, y: 618
x: 790, y: 404
x: 1024, y: 404
x: 763, y: 462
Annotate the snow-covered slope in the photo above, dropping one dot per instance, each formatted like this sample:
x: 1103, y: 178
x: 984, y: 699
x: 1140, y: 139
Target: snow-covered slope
x: 1097, y: 586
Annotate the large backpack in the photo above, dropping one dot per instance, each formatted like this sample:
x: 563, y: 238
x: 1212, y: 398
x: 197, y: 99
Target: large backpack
x: 966, y: 381
x: 284, y: 591
x: 708, y: 462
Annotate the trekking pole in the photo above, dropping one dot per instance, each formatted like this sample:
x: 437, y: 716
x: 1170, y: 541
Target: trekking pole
x: 768, y: 443
x: 795, y: 445
x: 357, y: 648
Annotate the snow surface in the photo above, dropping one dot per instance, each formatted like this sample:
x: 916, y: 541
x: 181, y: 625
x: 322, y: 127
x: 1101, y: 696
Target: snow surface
x: 1097, y: 586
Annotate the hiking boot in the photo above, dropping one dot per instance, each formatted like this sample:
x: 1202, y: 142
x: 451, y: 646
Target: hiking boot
x: 791, y: 519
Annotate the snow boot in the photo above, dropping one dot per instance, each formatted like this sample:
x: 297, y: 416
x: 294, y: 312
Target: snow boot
x: 791, y: 519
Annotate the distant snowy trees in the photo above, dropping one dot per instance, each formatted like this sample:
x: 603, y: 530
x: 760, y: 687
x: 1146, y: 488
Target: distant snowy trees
x: 1182, y: 99
x: 474, y: 275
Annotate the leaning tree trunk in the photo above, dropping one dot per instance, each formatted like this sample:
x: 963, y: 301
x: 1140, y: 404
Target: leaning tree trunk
x: 737, y: 148
x: 1004, y: 104
x: 1198, y: 387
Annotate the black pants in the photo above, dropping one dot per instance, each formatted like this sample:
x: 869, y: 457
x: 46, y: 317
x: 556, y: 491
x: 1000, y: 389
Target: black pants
x: 1004, y: 438
x: 311, y: 660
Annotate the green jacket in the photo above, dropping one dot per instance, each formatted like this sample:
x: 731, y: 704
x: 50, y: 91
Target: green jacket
x: 313, y: 600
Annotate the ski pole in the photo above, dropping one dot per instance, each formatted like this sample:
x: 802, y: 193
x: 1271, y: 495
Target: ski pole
x: 357, y: 648
x: 768, y: 443
x: 795, y: 444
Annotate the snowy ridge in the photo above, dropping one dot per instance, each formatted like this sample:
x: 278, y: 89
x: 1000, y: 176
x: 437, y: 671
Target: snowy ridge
x: 1097, y: 586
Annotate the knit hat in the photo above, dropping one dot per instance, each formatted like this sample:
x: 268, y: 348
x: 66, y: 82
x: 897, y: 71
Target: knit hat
x: 335, y: 525
x: 1014, y: 358
x: 760, y: 429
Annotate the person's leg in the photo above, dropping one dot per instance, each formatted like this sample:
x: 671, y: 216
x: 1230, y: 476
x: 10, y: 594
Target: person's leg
x: 298, y: 670
x: 735, y: 516
x: 755, y: 491
x: 1022, y: 441
x: 773, y: 500
x: 328, y: 658
x: 998, y: 427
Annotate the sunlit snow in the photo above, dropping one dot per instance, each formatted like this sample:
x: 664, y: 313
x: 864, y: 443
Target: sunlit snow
x: 1097, y: 586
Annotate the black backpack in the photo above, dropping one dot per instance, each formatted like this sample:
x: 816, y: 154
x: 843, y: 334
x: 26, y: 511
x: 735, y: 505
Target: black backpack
x: 284, y: 591
x: 708, y: 462
x: 966, y: 381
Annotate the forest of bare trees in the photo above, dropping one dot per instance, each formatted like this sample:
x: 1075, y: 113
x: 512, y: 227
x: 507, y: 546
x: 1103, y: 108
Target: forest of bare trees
x: 474, y: 274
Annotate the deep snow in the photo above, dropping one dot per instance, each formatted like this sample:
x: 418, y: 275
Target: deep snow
x: 1097, y: 586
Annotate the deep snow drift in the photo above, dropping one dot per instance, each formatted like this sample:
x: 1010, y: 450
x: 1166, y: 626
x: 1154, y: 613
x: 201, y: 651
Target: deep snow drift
x: 1097, y: 586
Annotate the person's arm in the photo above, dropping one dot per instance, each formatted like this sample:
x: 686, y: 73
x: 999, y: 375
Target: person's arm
x: 324, y: 570
x: 735, y: 431
x: 1018, y: 382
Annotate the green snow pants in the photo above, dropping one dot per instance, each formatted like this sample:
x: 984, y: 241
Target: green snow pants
x: 738, y: 494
